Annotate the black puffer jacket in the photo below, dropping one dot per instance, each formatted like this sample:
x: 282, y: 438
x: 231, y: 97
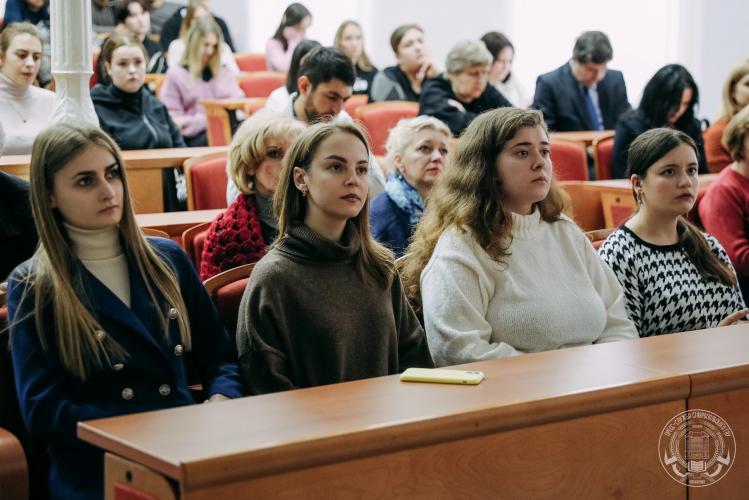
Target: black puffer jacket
x: 135, y: 120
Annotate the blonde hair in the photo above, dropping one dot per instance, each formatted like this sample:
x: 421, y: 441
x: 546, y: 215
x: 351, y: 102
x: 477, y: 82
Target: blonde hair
x: 404, y: 132
x: 187, y: 21
x: 469, y: 196
x: 734, y: 134
x: 364, y: 62
x: 373, y: 262
x: 194, y: 46
x: 729, y: 106
x: 248, y: 147
x: 54, y: 275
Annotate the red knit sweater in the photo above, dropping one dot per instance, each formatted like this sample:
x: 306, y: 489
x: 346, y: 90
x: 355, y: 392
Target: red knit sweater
x: 234, y: 238
x: 724, y: 212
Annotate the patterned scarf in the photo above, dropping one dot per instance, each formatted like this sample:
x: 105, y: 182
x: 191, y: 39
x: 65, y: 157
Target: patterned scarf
x: 405, y: 196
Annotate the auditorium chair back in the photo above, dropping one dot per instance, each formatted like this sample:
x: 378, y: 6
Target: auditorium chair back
x: 378, y: 118
x: 250, y: 61
x: 261, y: 83
x: 226, y: 290
x: 193, y: 240
x: 570, y: 161
x: 603, y: 152
x: 206, y: 181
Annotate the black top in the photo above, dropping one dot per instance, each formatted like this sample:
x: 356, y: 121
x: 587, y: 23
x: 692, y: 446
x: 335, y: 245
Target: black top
x: 18, y: 236
x: 135, y: 120
x: 438, y: 91
x: 632, y: 124
x: 170, y: 30
x: 363, y: 79
x: 562, y: 99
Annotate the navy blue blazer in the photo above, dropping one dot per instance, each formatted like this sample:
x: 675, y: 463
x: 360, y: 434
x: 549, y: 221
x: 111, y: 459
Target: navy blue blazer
x: 561, y: 98
x: 389, y: 224
x: 153, y: 376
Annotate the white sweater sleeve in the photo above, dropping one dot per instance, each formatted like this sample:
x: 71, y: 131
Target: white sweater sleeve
x: 618, y: 324
x: 455, y: 292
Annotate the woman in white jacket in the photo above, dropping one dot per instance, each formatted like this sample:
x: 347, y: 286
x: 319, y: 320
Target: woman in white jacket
x: 495, y: 267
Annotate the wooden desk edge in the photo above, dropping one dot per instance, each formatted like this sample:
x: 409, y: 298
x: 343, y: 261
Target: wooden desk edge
x: 208, y: 470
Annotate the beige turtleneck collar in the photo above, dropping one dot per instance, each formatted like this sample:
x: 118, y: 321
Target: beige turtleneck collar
x: 101, y: 252
x: 526, y: 226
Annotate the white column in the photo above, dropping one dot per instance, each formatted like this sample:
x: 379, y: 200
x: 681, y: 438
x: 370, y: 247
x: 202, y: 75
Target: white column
x: 72, y: 60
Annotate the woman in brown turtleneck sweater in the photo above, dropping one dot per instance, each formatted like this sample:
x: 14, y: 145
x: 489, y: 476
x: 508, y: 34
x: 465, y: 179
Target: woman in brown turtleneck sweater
x: 325, y: 305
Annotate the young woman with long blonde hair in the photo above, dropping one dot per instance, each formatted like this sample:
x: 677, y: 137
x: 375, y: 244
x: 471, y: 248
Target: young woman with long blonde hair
x: 101, y: 317
x: 325, y: 304
x: 495, y: 267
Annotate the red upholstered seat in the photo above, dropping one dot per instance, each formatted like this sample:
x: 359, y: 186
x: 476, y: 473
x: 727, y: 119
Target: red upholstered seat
x: 354, y: 103
x: 261, y: 83
x: 380, y: 117
x: 603, y: 152
x: 570, y: 161
x: 226, y: 290
x: 250, y: 61
x: 206, y: 181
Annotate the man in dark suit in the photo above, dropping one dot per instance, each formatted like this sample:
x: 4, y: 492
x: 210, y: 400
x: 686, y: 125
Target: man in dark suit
x: 583, y: 94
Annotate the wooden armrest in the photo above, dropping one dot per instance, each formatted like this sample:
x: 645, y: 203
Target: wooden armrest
x: 14, y: 473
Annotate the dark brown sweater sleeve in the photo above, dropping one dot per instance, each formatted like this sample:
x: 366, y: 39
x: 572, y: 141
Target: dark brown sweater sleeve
x: 413, y: 350
x: 262, y: 330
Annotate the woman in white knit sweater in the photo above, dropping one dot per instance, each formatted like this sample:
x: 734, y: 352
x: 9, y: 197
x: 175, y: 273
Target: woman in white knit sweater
x: 495, y: 266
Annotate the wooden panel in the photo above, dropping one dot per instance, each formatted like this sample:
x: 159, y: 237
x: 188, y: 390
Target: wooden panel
x: 604, y: 456
x: 146, y: 190
x: 733, y: 407
x: 370, y: 417
x: 176, y: 223
x: 124, y: 479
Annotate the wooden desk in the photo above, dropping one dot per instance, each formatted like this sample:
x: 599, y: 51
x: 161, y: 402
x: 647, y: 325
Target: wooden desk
x: 574, y: 423
x: 587, y: 137
x: 606, y: 204
x: 176, y: 223
x: 143, y: 168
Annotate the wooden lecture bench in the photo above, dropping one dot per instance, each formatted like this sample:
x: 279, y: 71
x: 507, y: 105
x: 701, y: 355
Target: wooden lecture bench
x: 586, y: 137
x: 176, y: 223
x: 574, y: 423
x: 603, y: 204
x: 143, y: 168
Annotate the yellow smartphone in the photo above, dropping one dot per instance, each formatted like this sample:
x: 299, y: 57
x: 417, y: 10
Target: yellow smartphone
x: 442, y: 376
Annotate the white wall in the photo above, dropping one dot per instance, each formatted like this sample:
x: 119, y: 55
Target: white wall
x: 708, y: 38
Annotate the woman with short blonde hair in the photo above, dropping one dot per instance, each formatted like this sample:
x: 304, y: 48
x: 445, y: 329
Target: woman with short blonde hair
x: 350, y: 317
x: 495, y: 267
x: 417, y: 150
x: 241, y: 234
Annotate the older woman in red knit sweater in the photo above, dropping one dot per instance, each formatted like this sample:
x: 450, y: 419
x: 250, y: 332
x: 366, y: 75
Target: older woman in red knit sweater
x: 724, y: 211
x: 241, y: 234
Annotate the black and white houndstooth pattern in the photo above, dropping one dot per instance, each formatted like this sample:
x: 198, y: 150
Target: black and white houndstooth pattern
x: 663, y: 291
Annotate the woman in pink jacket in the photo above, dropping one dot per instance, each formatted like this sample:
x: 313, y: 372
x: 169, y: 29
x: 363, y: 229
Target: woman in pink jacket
x: 199, y: 75
x: 292, y: 30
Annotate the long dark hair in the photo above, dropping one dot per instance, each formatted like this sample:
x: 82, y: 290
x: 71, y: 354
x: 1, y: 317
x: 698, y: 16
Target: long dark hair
x: 662, y: 95
x: 648, y: 148
x: 293, y: 15
x: 300, y: 51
